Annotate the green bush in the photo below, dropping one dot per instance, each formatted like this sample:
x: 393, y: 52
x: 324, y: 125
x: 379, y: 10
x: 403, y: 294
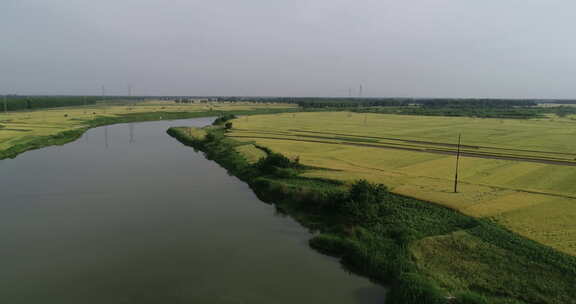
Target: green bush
x: 330, y: 244
x: 412, y: 288
x: 470, y: 298
x: 367, y: 192
x: 223, y: 119
x: 274, y: 163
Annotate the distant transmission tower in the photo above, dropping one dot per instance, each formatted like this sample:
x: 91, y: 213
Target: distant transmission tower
x: 360, y: 91
x: 104, y: 97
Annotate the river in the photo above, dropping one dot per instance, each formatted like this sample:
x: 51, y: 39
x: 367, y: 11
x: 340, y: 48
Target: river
x: 128, y: 215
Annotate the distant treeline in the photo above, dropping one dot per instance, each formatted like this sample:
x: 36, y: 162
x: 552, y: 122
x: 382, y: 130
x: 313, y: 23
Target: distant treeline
x: 485, y: 112
x: 15, y: 103
x: 319, y: 102
x: 475, y: 103
x: 18, y: 102
x: 558, y: 101
x: 479, y: 107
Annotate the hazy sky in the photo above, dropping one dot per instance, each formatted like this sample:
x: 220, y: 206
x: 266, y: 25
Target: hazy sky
x: 441, y: 48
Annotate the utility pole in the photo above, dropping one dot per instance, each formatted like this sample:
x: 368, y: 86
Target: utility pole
x: 5, y: 106
x: 457, y: 163
x: 360, y: 92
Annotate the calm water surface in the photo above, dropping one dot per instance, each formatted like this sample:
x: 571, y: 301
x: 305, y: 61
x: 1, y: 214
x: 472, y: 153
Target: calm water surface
x: 126, y: 214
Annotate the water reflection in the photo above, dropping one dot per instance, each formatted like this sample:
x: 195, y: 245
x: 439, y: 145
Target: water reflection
x: 131, y: 131
x: 106, y: 137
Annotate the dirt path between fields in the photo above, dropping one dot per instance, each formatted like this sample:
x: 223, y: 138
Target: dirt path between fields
x: 424, y: 150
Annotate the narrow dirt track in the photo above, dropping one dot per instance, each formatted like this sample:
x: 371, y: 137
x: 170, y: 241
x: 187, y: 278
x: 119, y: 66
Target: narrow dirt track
x: 425, y: 150
x: 436, y: 143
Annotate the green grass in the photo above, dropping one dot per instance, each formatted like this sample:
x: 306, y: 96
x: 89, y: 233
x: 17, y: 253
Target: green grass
x: 251, y: 153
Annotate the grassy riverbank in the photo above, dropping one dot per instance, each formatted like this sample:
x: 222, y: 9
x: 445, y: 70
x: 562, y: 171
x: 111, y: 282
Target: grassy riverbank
x: 27, y: 130
x: 425, y: 252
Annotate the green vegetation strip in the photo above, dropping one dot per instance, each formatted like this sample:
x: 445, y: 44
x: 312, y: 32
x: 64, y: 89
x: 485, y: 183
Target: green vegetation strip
x: 17, y: 103
x: 426, y: 253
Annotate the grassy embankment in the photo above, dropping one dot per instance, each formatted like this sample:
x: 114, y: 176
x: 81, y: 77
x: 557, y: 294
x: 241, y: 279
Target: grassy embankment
x: 426, y: 252
x: 533, y: 198
x: 26, y: 130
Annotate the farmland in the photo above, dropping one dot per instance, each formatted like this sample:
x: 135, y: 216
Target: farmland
x: 23, y: 127
x: 518, y: 173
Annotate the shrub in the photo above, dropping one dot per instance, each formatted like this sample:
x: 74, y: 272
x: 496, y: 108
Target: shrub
x: 285, y: 172
x: 470, y: 298
x: 223, y: 119
x: 261, y: 183
x: 330, y: 244
x: 274, y: 163
x: 414, y: 288
x: 366, y: 192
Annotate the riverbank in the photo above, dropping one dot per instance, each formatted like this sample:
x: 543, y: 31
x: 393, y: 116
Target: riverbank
x: 69, y: 133
x: 426, y: 253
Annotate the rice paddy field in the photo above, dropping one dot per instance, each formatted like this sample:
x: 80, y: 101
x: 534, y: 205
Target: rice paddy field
x: 22, y: 126
x: 519, y: 173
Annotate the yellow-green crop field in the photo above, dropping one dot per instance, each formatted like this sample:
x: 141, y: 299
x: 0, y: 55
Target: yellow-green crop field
x: 520, y: 173
x: 22, y: 126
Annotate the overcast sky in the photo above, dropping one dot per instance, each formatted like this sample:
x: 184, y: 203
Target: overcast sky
x: 420, y: 48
